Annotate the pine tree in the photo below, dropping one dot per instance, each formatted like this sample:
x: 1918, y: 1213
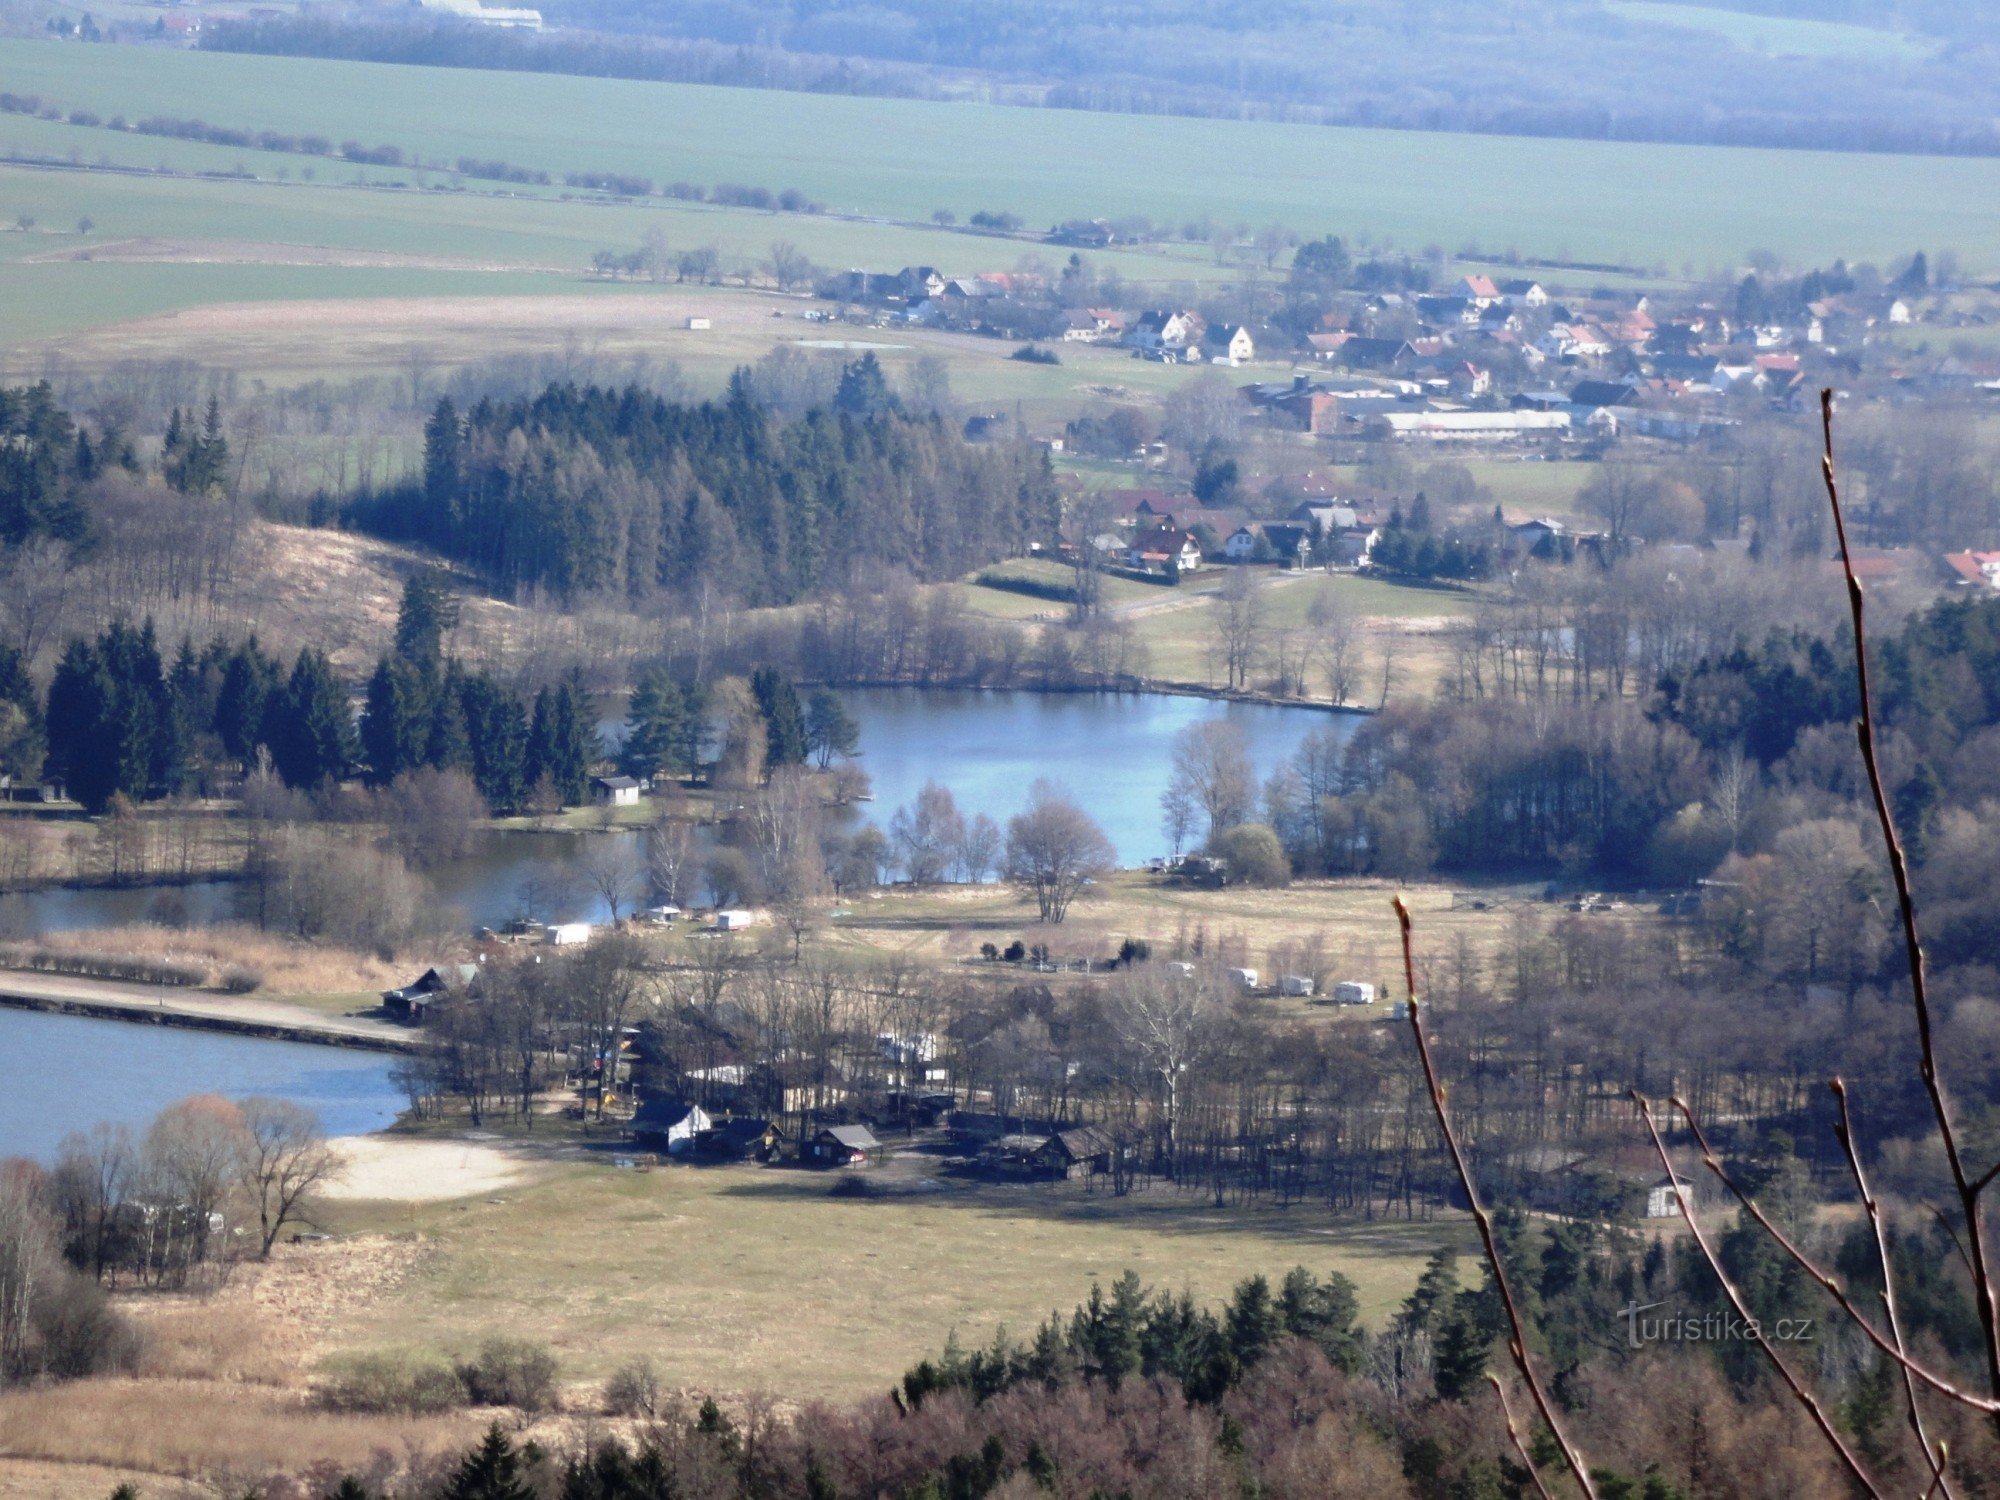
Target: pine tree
x: 396, y: 723
x: 448, y: 742
x: 497, y: 732
x: 1253, y: 1323
x: 309, y: 725
x: 830, y: 729
x: 492, y: 1471
x: 784, y: 724
x: 655, y: 727
x: 249, y: 678
x: 428, y: 612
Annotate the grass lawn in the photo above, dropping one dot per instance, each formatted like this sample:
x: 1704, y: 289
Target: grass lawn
x: 737, y: 1279
x: 1352, y: 918
x: 1783, y: 36
x: 1634, y: 203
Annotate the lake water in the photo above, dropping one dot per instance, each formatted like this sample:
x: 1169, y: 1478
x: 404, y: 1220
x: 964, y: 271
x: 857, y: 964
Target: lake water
x: 1111, y: 750
x: 64, y: 1073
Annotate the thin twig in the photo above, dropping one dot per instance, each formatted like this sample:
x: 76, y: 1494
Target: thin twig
x: 1755, y: 1329
x: 1845, y: 1132
x: 1517, y: 1343
x: 1514, y: 1436
x: 1968, y: 1191
x: 1827, y: 1282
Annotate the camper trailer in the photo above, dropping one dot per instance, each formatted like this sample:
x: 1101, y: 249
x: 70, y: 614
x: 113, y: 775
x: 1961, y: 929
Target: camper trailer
x: 1352, y: 992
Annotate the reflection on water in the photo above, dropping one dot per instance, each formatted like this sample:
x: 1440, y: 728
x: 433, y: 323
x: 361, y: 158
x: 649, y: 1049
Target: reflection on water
x: 1111, y: 751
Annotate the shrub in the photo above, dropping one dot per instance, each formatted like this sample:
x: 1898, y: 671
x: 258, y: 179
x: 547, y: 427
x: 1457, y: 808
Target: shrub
x: 1254, y: 855
x: 511, y: 1372
x: 633, y: 1390
x: 411, y: 1383
x: 238, y: 980
x: 1034, y: 354
x: 82, y: 1334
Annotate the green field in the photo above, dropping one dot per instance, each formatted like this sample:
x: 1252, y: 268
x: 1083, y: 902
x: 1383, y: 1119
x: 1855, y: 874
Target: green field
x: 1640, y: 204
x: 1783, y: 36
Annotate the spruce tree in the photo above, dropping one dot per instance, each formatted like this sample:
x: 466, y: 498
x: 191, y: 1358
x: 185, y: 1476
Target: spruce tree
x: 784, y: 723
x: 396, y: 723
x: 309, y: 725
x: 497, y: 731
x: 830, y: 730
x: 655, y: 728
x: 492, y: 1471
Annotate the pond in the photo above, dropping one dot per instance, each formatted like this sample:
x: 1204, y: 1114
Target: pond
x: 1112, y: 751
x: 64, y: 1073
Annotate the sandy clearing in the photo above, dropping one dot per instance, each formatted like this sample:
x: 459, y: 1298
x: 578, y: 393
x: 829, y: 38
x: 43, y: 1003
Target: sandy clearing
x: 405, y: 1171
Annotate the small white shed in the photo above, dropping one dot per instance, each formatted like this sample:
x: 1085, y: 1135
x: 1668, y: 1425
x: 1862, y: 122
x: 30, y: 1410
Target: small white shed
x: 733, y: 919
x: 565, y: 934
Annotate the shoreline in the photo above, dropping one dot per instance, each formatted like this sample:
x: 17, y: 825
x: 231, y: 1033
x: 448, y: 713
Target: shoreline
x: 271, y: 1021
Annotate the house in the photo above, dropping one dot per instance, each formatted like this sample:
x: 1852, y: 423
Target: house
x: 1530, y: 536
x: 1230, y: 346
x: 669, y: 1125
x: 919, y: 282
x: 1165, y: 550
x: 741, y: 1140
x: 1976, y: 569
x: 1078, y: 1151
x: 842, y: 1146
x: 1352, y: 546
x: 1592, y: 394
x: 614, y: 791
x: 1161, y: 328
x: 1524, y: 293
x: 1665, y: 1196
x: 1478, y: 290
x: 1375, y: 354
x: 413, y: 1001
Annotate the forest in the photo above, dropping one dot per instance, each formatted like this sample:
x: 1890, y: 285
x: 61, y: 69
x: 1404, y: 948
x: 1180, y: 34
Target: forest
x: 619, y: 493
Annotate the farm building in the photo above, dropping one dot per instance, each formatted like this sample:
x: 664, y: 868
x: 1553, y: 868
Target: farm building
x: 740, y: 1140
x: 413, y: 1001
x: 669, y: 1125
x: 843, y: 1146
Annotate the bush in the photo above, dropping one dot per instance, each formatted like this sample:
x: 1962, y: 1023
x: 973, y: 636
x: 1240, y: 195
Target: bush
x: 1254, y: 855
x: 81, y: 1334
x: 1034, y: 354
x: 238, y: 980
x: 633, y: 1390
x: 411, y: 1383
x: 511, y: 1372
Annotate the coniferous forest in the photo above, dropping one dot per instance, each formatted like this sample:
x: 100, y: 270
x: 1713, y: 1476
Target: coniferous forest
x: 582, y: 492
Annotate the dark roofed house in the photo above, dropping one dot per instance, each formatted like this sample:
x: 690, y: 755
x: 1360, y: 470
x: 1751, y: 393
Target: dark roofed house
x: 412, y: 1003
x: 1603, y: 393
x: 843, y: 1146
x: 1078, y: 1151
x: 740, y: 1140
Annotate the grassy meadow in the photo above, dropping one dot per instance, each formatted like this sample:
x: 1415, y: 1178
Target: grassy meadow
x: 1640, y: 204
x: 738, y: 1279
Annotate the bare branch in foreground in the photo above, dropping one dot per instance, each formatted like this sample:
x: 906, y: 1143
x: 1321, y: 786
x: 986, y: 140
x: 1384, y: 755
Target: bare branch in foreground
x: 1729, y: 1289
x: 1933, y: 1457
x: 1968, y: 1189
x: 1514, y: 1436
x: 1517, y: 1342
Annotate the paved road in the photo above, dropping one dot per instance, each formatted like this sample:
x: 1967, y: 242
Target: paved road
x: 246, y: 1013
